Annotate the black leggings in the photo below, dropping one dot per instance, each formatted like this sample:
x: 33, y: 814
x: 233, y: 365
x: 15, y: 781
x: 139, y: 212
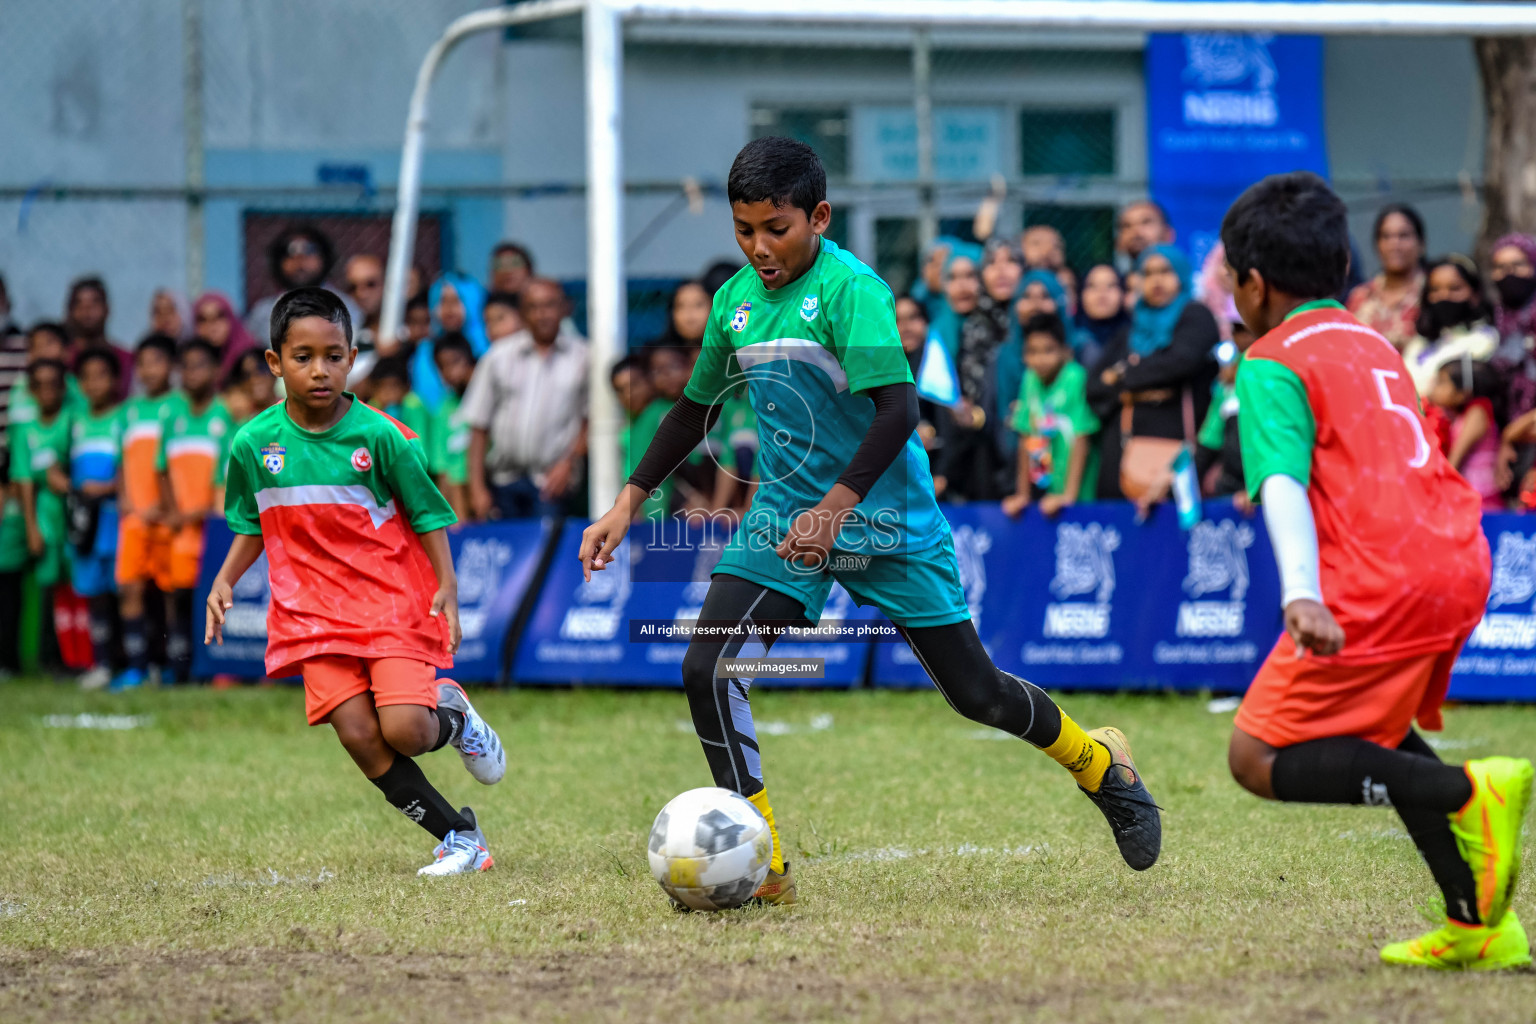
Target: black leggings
x: 952, y: 656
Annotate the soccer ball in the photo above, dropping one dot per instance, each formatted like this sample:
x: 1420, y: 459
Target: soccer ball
x: 710, y: 849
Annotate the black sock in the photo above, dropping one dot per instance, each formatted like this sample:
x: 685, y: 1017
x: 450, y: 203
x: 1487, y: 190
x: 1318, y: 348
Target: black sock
x: 135, y: 645
x: 450, y: 724
x: 405, y: 787
x: 103, y: 608
x: 961, y: 668
x: 1347, y: 770
x: 178, y: 634
x: 1431, y: 832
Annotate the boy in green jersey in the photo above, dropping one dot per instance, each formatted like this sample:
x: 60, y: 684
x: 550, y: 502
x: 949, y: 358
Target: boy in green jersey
x: 95, y: 447
x: 643, y: 412
x: 845, y: 495
x: 46, y: 341
x: 448, y: 440
x: 189, y: 471
x: 392, y: 395
x: 39, y: 460
x: 141, y: 536
x: 1055, y: 426
x: 364, y: 597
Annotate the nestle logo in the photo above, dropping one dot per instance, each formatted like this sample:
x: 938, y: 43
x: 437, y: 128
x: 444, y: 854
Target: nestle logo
x: 1505, y: 632
x: 1210, y: 618
x: 590, y: 624
x: 1226, y: 108
x: 1076, y: 621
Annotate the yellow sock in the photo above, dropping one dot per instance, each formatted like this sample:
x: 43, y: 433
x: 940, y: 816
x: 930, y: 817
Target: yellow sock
x: 1077, y: 752
x: 760, y: 801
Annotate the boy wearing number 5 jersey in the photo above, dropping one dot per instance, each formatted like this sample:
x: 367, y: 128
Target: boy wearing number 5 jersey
x: 1384, y: 572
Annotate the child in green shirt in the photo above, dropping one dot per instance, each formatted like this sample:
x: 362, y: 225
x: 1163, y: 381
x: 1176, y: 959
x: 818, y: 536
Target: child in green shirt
x: 643, y: 412
x: 1057, y: 462
x: 448, y: 447
x: 46, y: 341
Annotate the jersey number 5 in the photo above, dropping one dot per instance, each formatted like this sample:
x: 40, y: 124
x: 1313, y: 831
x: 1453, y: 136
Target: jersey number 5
x: 1420, y: 445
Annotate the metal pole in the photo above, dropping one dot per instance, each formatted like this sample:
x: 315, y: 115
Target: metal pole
x: 1341, y: 16
x: 192, y: 135
x: 402, y: 235
x: 606, y: 286
x: 922, y: 105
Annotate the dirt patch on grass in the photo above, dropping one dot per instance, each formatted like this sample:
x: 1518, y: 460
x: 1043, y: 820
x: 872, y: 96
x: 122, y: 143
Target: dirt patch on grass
x: 262, y: 985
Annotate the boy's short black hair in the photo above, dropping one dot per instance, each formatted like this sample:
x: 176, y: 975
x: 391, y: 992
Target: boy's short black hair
x: 52, y: 327
x: 630, y: 361
x: 162, y: 343
x: 391, y: 368
x: 453, y: 341
x: 199, y: 345
x: 783, y: 171
x: 1294, y: 231
x: 99, y: 355
x: 418, y: 302
x: 1046, y: 323
x: 499, y: 299
x: 303, y: 302
x: 46, y: 364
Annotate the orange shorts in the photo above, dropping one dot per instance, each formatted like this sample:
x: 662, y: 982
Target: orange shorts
x: 1293, y: 700
x: 183, y: 557
x: 142, y: 550
x: 333, y: 678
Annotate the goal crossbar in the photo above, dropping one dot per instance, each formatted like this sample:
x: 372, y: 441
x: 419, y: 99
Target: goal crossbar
x: 602, y: 40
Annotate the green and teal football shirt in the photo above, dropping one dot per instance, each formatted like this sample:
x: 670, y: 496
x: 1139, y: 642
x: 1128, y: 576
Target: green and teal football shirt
x: 803, y: 353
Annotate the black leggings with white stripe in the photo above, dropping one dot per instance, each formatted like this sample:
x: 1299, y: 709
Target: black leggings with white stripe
x: 952, y: 656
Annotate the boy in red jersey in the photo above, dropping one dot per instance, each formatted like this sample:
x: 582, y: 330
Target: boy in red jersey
x: 1384, y: 573
x: 364, y: 597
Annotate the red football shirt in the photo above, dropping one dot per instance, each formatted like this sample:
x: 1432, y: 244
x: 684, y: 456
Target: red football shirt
x: 1404, y: 565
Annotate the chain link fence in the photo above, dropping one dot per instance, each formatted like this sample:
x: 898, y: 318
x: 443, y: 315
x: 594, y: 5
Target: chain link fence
x: 169, y: 143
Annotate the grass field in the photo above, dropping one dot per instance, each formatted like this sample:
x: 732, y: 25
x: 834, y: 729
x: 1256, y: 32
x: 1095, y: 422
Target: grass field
x: 221, y: 861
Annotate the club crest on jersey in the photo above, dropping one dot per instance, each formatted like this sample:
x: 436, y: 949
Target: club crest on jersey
x: 272, y: 457
x: 362, y: 461
x: 810, y: 308
x: 739, y: 318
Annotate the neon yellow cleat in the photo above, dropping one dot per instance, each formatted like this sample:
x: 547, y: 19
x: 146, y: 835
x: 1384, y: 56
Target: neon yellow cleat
x: 1465, y: 947
x: 1488, y: 829
x: 777, y: 889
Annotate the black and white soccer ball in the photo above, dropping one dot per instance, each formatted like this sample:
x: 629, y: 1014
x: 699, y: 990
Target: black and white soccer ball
x: 710, y: 849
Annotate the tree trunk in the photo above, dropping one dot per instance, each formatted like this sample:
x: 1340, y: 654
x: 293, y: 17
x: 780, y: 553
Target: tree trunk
x: 1508, y: 68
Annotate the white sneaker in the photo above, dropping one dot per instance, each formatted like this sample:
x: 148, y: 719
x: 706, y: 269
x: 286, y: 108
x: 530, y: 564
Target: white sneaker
x: 96, y: 678
x: 460, y: 852
x: 478, y: 745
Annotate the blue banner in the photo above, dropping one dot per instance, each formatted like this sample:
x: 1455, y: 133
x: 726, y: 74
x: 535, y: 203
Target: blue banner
x: 495, y: 564
x: 1095, y: 600
x: 584, y: 632
x: 1224, y: 111
x: 1499, y: 660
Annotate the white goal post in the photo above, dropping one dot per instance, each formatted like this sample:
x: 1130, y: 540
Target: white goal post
x: 602, y: 39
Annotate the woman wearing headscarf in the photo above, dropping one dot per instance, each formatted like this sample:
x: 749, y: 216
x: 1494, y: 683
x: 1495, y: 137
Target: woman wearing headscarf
x: 1161, y: 365
x: 457, y: 302
x: 961, y: 281
x: 215, y: 322
x: 1101, y: 308
x: 170, y: 315
x: 971, y: 460
x: 1512, y: 270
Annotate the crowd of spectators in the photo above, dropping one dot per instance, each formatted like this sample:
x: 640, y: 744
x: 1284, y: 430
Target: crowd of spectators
x: 1064, y: 380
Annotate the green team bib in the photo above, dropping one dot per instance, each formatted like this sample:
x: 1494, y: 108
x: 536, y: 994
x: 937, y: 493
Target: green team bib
x: 448, y: 441
x: 802, y: 354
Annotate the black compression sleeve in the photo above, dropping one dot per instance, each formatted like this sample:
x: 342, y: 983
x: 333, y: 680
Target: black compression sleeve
x: 680, y: 433
x: 896, y: 417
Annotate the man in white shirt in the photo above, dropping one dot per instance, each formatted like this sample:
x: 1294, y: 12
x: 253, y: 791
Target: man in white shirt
x: 527, y: 410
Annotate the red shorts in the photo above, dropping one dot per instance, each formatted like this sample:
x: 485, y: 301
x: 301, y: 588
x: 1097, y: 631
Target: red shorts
x: 331, y: 679
x: 1293, y: 700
